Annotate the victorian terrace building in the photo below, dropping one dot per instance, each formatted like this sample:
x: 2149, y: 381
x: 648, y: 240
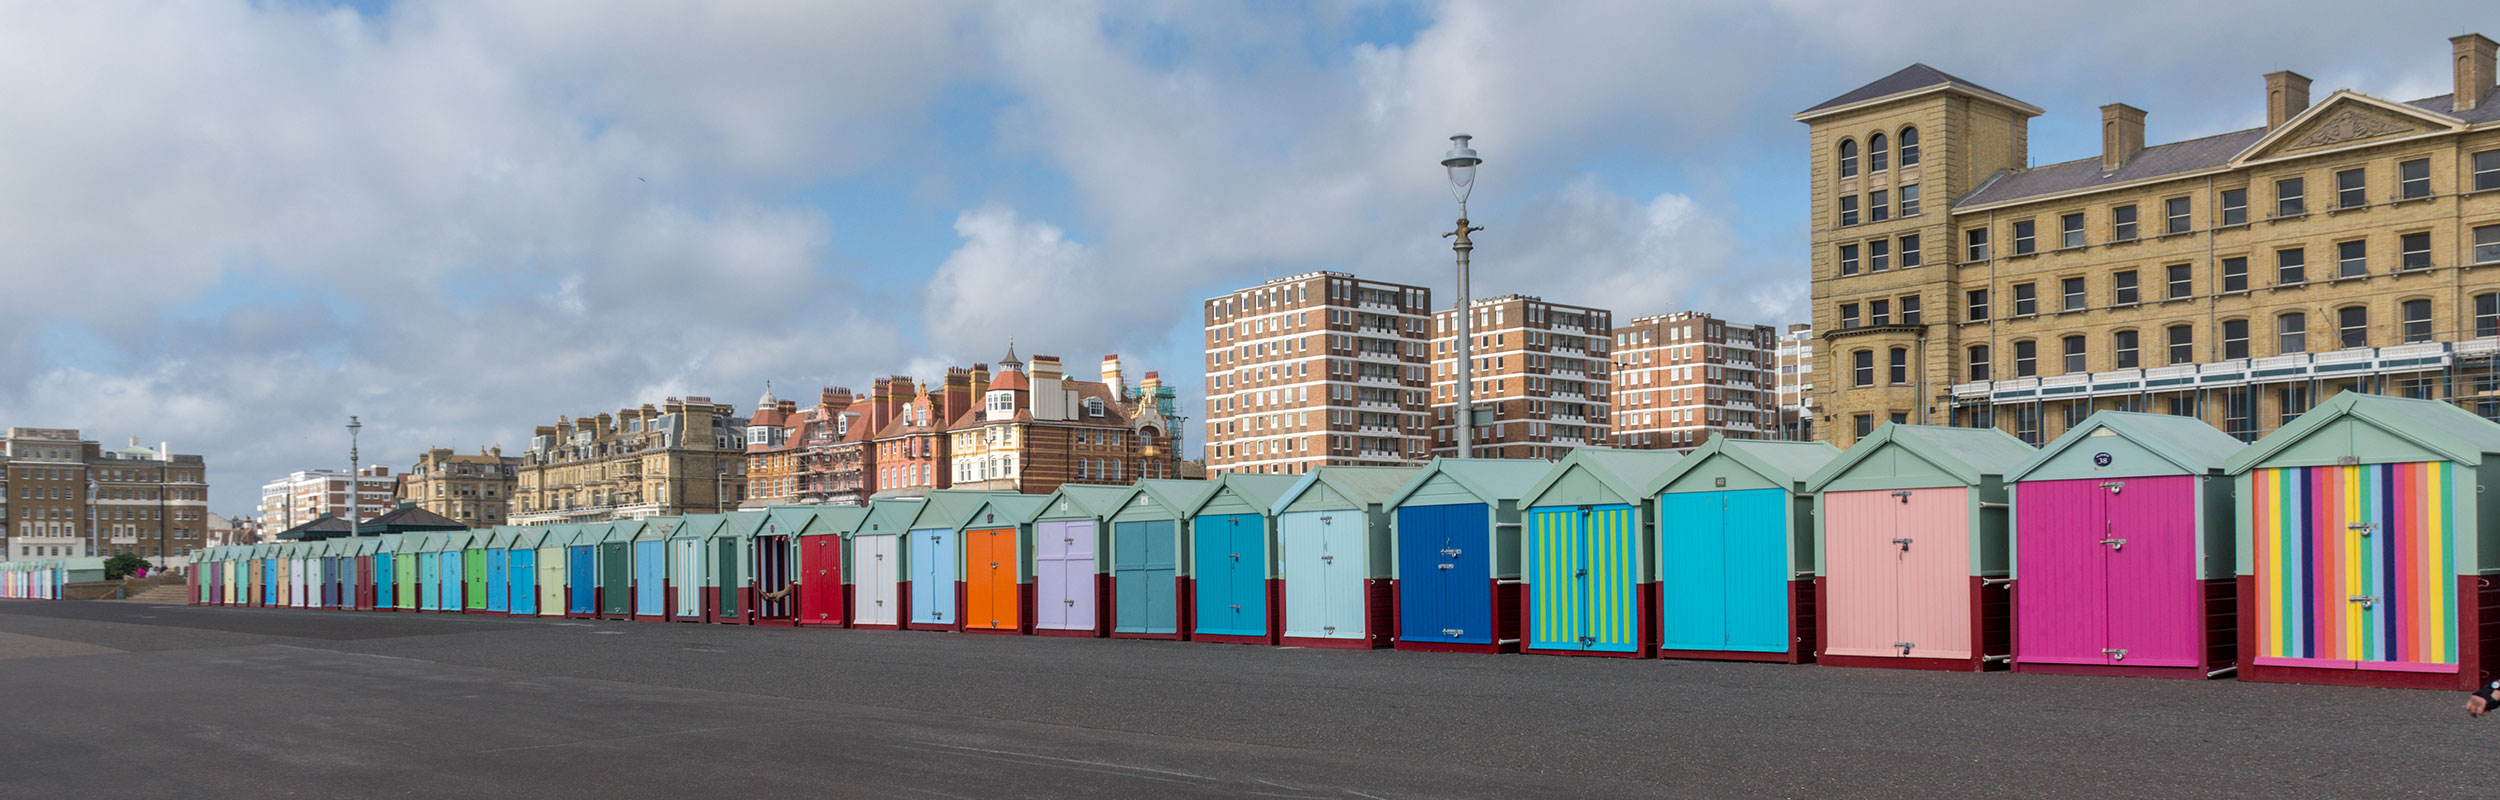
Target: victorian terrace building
x: 1032, y: 433
x: 684, y: 457
x: 473, y: 490
x: 1540, y: 370
x: 2239, y: 278
x: 1318, y: 368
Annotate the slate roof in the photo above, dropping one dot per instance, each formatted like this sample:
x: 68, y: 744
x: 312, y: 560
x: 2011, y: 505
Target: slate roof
x: 412, y: 518
x: 1911, y: 78
x: 2085, y: 173
x: 319, y: 528
x: 2486, y: 111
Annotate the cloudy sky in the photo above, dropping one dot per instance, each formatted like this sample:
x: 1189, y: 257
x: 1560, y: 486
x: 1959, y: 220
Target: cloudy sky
x: 230, y: 225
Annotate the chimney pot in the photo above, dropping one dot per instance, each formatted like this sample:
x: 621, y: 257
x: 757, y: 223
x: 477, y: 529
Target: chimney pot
x: 2122, y: 134
x: 2287, y: 94
x: 2475, y: 56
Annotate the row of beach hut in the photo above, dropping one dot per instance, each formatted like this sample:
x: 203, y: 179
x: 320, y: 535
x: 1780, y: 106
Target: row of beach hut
x: 2346, y: 548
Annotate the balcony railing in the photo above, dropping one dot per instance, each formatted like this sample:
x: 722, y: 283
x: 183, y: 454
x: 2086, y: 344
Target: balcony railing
x: 2422, y: 357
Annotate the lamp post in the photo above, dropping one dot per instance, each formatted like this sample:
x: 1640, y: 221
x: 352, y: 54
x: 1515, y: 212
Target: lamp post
x: 1462, y: 161
x: 355, y: 481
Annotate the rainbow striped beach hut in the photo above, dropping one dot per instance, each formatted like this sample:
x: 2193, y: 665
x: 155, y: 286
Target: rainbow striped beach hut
x: 2358, y: 559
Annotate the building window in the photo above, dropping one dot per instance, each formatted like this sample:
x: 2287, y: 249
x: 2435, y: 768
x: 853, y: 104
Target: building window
x: 1976, y: 301
x: 1909, y: 310
x: 2487, y: 170
x: 2235, y: 274
x: 1862, y: 364
x: 1879, y: 312
x: 2487, y: 314
x: 1909, y: 200
x: 2070, y: 230
x: 1878, y: 153
x: 2122, y: 288
x: 1848, y: 315
x: 2175, y: 215
x: 2122, y: 223
x: 2352, y: 259
x: 1848, y: 210
x: 1900, y: 366
x: 2417, y: 315
x: 2416, y: 250
x: 1848, y: 158
x: 2487, y: 244
x: 2239, y: 414
x: 2235, y: 338
x: 2234, y: 207
x: 1976, y: 239
x: 1910, y: 256
x: 2026, y: 358
x: 2413, y: 179
x: 2026, y: 303
x: 1978, y: 363
x: 2182, y: 283
x: 2289, y: 200
x: 1848, y: 259
x: 2352, y: 326
x: 2290, y: 266
x: 1878, y: 255
x: 1878, y: 206
x: 2122, y: 349
x: 2295, y: 401
x: 1909, y: 147
x: 2071, y: 294
x: 2027, y: 424
x: 2024, y: 240
x: 1865, y: 425
x: 2182, y: 344
x: 2076, y: 411
x: 2075, y: 355
x: 2352, y: 189
x: 2291, y: 333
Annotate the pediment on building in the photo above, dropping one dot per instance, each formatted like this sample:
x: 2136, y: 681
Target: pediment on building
x: 2345, y: 120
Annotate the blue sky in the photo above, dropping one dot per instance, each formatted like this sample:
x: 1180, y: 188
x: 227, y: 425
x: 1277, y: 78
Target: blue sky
x: 233, y: 224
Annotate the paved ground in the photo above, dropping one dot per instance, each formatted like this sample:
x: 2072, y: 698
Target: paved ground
x: 110, y: 699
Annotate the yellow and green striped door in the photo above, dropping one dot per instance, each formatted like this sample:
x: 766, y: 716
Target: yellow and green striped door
x: 1583, y: 564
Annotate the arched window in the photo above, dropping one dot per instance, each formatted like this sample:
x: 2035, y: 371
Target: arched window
x: 1978, y: 363
x: 2417, y: 325
x: 2122, y: 349
x: 1878, y: 153
x: 2291, y: 333
x: 1909, y: 147
x: 1848, y: 158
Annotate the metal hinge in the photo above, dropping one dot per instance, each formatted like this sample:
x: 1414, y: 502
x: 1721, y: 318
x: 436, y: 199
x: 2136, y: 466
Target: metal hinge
x: 2115, y: 653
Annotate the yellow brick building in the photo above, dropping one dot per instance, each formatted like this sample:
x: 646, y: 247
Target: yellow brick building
x: 2241, y: 278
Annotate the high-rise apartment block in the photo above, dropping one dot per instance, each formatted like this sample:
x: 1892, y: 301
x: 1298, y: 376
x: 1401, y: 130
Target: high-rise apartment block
x: 683, y: 457
x: 1540, y: 376
x: 63, y: 496
x: 2239, y: 278
x: 1796, y: 384
x: 311, y: 494
x: 1316, y: 369
x: 473, y: 490
x: 1684, y: 377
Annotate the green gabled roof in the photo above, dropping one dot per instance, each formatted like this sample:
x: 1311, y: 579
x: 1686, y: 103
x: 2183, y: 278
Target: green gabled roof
x: 1967, y: 454
x: 2186, y: 442
x: 2452, y: 432
x: 815, y: 520
x: 653, y: 529
x: 1492, y: 479
x: 696, y: 526
x: 527, y: 538
x: 1785, y: 463
x: 1008, y: 509
x: 945, y: 508
x: 1363, y: 485
x: 738, y: 524
x: 889, y: 516
x: 1258, y: 490
x: 1178, y: 496
x: 1084, y: 500
x: 1624, y: 471
x: 559, y: 535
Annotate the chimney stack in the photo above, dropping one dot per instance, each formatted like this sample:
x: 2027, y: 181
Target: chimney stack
x: 980, y: 385
x: 2287, y: 94
x: 1111, y: 376
x: 2122, y: 135
x: 1045, y: 368
x: 2475, y: 63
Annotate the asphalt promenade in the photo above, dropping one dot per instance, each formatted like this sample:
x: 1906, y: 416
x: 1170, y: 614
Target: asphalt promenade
x: 132, y: 699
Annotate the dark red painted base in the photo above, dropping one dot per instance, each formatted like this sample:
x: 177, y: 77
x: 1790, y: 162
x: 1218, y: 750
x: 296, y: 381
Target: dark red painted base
x: 878, y: 627
x: 1067, y: 633
x: 1221, y: 638
x: 2478, y: 623
x: 1447, y: 647
x: 2108, y: 670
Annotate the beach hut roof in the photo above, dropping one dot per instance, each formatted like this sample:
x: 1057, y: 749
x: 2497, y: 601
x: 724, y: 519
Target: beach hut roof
x: 945, y: 508
x: 1177, y: 495
x: 1968, y: 455
x: 1257, y: 490
x: 1625, y: 472
x: 890, y: 515
x: 1492, y: 479
x: 2455, y: 434
x: 1364, y: 486
x: 2188, y: 443
x: 1789, y: 464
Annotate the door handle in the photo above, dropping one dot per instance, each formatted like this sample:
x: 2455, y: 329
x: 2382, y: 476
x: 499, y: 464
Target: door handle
x: 2115, y: 544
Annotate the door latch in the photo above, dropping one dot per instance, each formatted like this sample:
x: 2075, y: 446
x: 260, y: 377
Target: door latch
x: 1583, y: 573
x: 1327, y: 559
x: 1904, y: 542
x: 1329, y: 628
x: 1448, y: 566
x: 2364, y: 528
x: 1903, y: 495
x: 2115, y: 653
x: 1452, y: 632
x: 1449, y: 552
x: 1236, y: 607
x: 2113, y: 486
x: 1905, y: 647
x: 1071, y: 603
x: 2366, y: 600
x: 2115, y: 544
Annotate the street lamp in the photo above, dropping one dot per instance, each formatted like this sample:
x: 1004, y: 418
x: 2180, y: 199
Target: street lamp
x: 1462, y: 161
x: 355, y: 484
